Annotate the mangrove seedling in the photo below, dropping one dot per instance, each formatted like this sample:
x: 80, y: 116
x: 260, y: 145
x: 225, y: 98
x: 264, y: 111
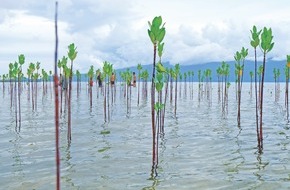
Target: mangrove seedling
x: 72, y: 54
x: 156, y: 33
x: 255, y: 41
x: 266, y: 46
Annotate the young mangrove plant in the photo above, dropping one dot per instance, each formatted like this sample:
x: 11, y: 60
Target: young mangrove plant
x: 219, y: 75
x: 32, y: 69
x: 276, y: 73
x: 225, y: 70
x: 185, y: 83
x: 45, y: 78
x: 79, y: 79
x: 199, y: 85
x: 255, y: 41
x: 13, y: 73
x: 176, y: 74
x: 107, y: 72
x: 36, y: 76
x: 91, y: 76
x: 240, y: 58
x: 192, y: 75
x: 287, y: 74
x: 139, y: 68
x: 144, y: 77
x: 266, y: 46
x: 21, y: 60
x: 180, y: 86
x: 207, y: 86
x: 128, y: 78
x: 156, y: 33
x: 4, y: 78
x: 72, y: 54
x: 171, y: 72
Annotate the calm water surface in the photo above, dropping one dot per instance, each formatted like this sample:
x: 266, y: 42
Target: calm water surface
x: 201, y: 148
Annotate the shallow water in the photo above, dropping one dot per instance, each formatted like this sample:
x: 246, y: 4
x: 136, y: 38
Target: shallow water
x: 201, y: 148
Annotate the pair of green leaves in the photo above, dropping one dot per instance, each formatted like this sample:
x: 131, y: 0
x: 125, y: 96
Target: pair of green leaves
x: 266, y: 39
x: 158, y: 106
x: 241, y: 55
x: 62, y: 63
x: 159, y: 81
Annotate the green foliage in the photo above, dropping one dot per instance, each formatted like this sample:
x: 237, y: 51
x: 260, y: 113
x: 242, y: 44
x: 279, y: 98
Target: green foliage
x: 78, y: 74
x: 72, y: 53
x: 286, y: 72
x: 160, y: 49
x: 276, y: 73
x: 159, y: 82
x: 21, y: 59
x: 156, y: 31
x: 107, y: 68
x: 160, y: 68
x: 139, y: 67
x: 158, y: 106
x: 288, y: 58
x: 91, y: 72
x: 145, y: 75
x: 260, y: 70
x: 266, y: 40
x: 244, y: 53
x: 251, y: 74
x: 176, y: 70
x: 37, y: 66
x: 225, y: 69
x: 255, y: 41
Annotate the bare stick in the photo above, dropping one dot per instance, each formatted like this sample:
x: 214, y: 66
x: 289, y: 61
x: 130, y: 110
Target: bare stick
x: 56, y: 105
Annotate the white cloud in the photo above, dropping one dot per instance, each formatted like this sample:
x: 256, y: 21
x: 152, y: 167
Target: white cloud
x: 30, y: 35
x: 116, y: 31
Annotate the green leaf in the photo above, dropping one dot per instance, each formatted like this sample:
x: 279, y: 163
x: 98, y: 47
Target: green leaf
x: 159, y: 86
x: 21, y: 59
x: 160, y: 68
x: 161, y: 35
x: 288, y: 58
x: 139, y: 67
x: 160, y: 49
x: 157, y: 21
x: 158, y: 106
x: 159, y: 77
x: 271, y: 47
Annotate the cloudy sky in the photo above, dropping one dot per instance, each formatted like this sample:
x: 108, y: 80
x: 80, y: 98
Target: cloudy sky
x: 197, y: 31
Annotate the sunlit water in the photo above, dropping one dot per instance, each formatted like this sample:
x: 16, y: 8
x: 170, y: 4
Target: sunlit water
x: 201, y: 149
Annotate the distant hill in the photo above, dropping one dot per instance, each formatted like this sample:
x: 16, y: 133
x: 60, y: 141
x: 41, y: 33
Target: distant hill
x: 249, y: 66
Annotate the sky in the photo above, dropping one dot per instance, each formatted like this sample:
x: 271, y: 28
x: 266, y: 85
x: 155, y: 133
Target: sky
x: 197, y: 31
